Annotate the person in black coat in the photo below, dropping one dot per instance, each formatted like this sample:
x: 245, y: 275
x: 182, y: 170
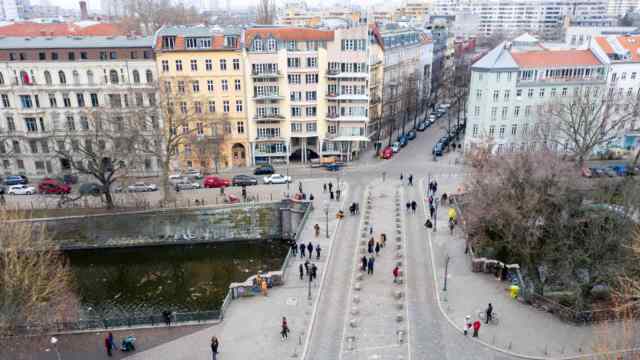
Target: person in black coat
x: 302, y: 249
x: 364, y: 263
x: 310, y: 249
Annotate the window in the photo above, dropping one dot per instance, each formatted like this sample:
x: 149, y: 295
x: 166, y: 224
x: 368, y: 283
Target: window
x: 139, y: 99
x: 492, y: 130
x: 181, y: 86
x: 5, y: 100
x: 311, y: 78
x: 475, y: 130
x: 237, y: 85
x: 564, y: 91
x: 311, y: 111
x: 516, y: 112
x: 44, y: 144
x: 272, y: 45
x: 311, y: 127
x: 53, y: 101
x: 84, y: 123
x: 497, y: 77
x: 200, y: 128
x: 294, y: 78
x: 103, y: 55
x: 505, y: 112
x: 165, y: 65
x: 197, y: 107
x: 136, y: 77
x: 152, y: 99
x: 11, y: 125
x: 31, y: 124
x: 623, y: 76
x: 71, y: 124
x: 312, y: 62
x: 16, y: 146
x: 476, y: 111
x: 26, y: 102
x: 62, y: 77
x: 195, y: 85
x: 240, y: 127
x: 94, y: 100
x: 257, y: 45
x: 514, y: 129
x: 296, y: 111
x: 225, y: 106
x: 42, y: 56
x: 113, y: 76
x: 296, y: 127
x: 194, y: 65
x: 502, y: 130
x: 225, y: 85
x: 311, y: 95
x: 236, y: 64
x: 178, y: 65
x: 293, y: 62
x: 478, y: 94
x: 530, y: 93
x: 553, y: 92
x: 208, y: 65
x: 149, y: 75
x: 210, y: 85
x: 223, y: 65
x: 496, y: 95
x: 80, y: 99
x: 519, y: 93
x: 66, y: 100
x: 239, y: 106
x: 506, y: 95
x: 212, y: 106
x: 54, y: 56
x: 47, y: 78
x: 541, y: 92
x: 633, y: 76
x: 183, y: 107
x: 494, y: 112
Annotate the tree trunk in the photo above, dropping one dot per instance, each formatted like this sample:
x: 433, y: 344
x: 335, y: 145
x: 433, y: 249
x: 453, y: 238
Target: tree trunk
x: 108, y: 198
x: 167, y: 195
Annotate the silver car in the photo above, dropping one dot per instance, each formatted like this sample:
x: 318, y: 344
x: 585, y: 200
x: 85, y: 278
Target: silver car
x: 142, y: 187
x: 188, y: 185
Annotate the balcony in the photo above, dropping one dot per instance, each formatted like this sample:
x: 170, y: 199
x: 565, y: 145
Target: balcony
x: 596, y: 80
x: 269, y: 138
x: 264, y: 75
x: 350, y: 118
x: 263, y: 97
x: 337, y: 74
x: 354, y: 97
x: 268, y: 117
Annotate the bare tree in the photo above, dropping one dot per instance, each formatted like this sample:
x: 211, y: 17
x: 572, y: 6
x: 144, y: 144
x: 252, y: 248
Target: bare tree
x: 147, y: 16
x: 209, y: 149
x: 584, y: 122
x: 35, y: 280
x: 266, y: 12
x: 409, y: 98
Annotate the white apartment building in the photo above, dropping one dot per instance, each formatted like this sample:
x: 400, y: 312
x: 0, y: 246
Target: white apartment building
x: 512, y: 85
x: 50, y: 85
x: 618, y: 8
x: 308, y: 92
x: 13, y: 10
x: 580, y: 36
x: 515, y: 16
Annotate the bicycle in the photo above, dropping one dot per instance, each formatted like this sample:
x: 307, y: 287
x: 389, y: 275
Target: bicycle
x: 495, y: 317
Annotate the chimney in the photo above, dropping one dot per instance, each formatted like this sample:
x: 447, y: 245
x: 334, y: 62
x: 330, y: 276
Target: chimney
x: 84, y: 14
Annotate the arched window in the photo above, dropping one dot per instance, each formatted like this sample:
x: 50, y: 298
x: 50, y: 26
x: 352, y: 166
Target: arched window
x: 47, y: 78
x: 149, y: 76
x: 24, y: 78
x: 90, y: 76
x: 1, y: 79
x: 136, y: 77
x: 114, y: 76
x: 62, y: 77
x: 76, y: 77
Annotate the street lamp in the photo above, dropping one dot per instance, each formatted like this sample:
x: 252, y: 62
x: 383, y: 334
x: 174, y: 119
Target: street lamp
x: 54, y: 342
x: 326, y: 214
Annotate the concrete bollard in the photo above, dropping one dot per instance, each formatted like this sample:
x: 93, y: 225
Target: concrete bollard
x: 357, y: 286
x: 399, y: 231
x: 398, y: 263
x: 359, y: 276
x: 400, y: 334
x: 397, y: 294
x: 353, y: 323
x: 399, y: 255
x: 398, y: 238
x: 400, y: 305
x: 355, y: 310
x: 351, y: 340
x: 398, y: 246
x: 399, y: 317
x: 356, y: 299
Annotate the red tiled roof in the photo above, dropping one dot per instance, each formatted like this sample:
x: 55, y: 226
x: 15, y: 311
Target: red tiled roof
x: 631, y: 43
x: 554, y: 58
x: 28, y: 28
x: 288, y: 33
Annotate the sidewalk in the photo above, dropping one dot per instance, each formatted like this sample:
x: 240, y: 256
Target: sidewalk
x: 251, y: 328
x: 522, y: 330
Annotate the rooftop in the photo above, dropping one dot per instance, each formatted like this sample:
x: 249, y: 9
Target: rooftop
x: 554, y: 58
x: 288, y: 33
x: 620, y: 48
x: 196, y: 31
x: 77, y: 42
x: 85, y: 28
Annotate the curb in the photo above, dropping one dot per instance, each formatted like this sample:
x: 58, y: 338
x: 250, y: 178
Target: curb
x: 483, y: 343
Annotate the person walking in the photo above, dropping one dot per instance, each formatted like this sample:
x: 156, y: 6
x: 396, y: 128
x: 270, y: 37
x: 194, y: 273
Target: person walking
x: 370, y: 229
x: 214, y: 347
x: 432, y: 211
x: 370, y: 265
x: 311, y: 197
x: 107, y: 345
x: 301, y: 268
x: 306, y: 267
x: 314, y: 272
x: 364, y: 263
x: 111, y: 341
x: 300, y: 187
x: 294, y: 248
x: 489, y: 312
x: 316, y: 228
x: 408, y: 206
x: 302, y: 249
x: 476, y: 328
x: 318, y: 252
x: 310, y: 249
x: 396, y: 273
x: 285, y: 329
x: 377, y: 248
x: 414, y: 206
x: 467, y: 325
x: 401, y: 179
x: 338, y: 192
x: 330, y: 186
x: 435, y: 187
x: 383, y: 239
x: 410, y: 179
x: 370, y: 246
x: 331, y: 194
x: 324, y: 187
x: 263, y: 286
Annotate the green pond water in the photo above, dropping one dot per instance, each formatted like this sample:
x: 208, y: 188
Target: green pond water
x: 182, y: 278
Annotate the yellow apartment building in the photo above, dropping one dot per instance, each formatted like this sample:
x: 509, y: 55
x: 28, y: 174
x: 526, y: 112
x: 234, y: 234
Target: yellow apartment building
x: 201, y: 78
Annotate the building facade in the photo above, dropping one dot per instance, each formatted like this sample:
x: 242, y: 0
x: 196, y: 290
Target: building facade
x: 202, y: 75
x: 51, y: 86
x: 13, y: 10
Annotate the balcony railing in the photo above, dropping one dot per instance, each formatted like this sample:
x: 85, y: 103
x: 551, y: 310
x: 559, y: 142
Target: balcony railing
x: 563, y: 80
x: 268, y: 117
x: 266, y: 74
x: 267, y: 97
x: 345, y: 74
x: 338, y: 96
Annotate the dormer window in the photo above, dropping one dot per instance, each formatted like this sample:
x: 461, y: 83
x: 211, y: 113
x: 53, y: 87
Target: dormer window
x: 168, y: 42
x: 272, y: 45
x: 257, y: 45
x: 198, y: 43
x: 231, y: 41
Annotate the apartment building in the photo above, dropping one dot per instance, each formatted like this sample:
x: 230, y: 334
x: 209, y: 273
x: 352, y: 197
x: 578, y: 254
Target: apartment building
x: 201, y: 73
x: 580, y: 36
x: 513, y: 84
x: 53, y: 85
x: 308, y: 92
x: 13, y: 10
x: 618, y: 8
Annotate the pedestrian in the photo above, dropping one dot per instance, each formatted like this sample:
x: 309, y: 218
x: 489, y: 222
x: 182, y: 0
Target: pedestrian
x: 324, y: 187
x: 167, y: 317
x: 306, y: 267
x: 316, y: 227
x: 476, y: 328
x: 408, y: 205
x: 383, y: 239
x: 311, y: 197
x: 310, y: 249
x: 364, y: 263
x: 338, y: 192
x: 304, y: 196
x: 410, y: 179
x: 370, y: 229
x: 444, y: 198
x: 302, y: 248
x: 467, y: 325
x: 107, y: 345
x: 3, y: 201
x: 489, y: 313
x: 414, y: 205
x: 370, y: 245
x: 377, y: 248
x: 318, y: 252
x: 285, y: 329
x: 314, y: 272
x: 301, y: 268
x: 214, y: 347
x: 263, y: 286
x: 384, y: 176
x: 435, y: 187
x: 430, y: 199
x: 357, y: 209
x: 331, y: 194
x: 370, y: 265
x: 300, y: 187
x: 111, y: 341
x: 294, y: 248
x: 432, y: 210
x: 396, y: 273
x: 244, y: 193
x: 330, y: 186
x: 401, y: 179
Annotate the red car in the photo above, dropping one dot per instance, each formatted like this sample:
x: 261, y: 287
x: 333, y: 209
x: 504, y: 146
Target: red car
x: 216, y: 182
x: 50, y: 186
x: 387, y: 153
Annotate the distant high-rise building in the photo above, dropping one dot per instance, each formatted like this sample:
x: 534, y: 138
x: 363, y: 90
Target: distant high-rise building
x: 11, y: 10
x: 618, y: 8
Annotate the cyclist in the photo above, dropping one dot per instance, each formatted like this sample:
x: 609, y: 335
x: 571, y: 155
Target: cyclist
x: 489, y: 312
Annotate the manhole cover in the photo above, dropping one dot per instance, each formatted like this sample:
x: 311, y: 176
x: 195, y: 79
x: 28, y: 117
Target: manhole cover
x: 292, y: 301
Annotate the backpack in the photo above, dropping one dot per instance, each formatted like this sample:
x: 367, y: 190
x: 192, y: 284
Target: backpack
x: 428, y: 224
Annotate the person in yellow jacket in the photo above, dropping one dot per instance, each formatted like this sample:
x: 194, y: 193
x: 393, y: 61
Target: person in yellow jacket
x: 453, y: 215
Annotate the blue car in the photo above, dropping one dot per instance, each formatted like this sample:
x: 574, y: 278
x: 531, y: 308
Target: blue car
x: 411, y: 135
x: 333, y: 167
x: 16, y: 180
x: 437, y: 149
x: 402, y: 139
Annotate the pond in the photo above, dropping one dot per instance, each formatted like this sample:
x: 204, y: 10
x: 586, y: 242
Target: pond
x: 144, y: 281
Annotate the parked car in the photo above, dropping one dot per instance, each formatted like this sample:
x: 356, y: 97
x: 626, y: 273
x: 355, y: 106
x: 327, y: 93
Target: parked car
x: 432, y: 118
x: 610, y: 172
x: 188, y: 185
x: 422, y: 126
x: 277, y: 179
x: 176, y: 178
x: 333, y: 166
x: 244, y: 180
x: 51, y: 186
x: 16, y: 180
x: 395, y: 147
x: 437, y: 149
x: 193, y: 174
x: 444, y: 106
x: 597, y: 172
x: 216, y: 182
x: 21, y: 189
x: 444, y: 140
x: 402, y: 139
x: 621, y: 170
x: 411, y: 135
x: 142, y: 187
x: 387, y: 153
x: 263, y: 169
x: 440, y: 113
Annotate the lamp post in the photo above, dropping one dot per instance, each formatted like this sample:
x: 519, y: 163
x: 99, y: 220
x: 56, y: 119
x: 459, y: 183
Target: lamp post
x: 54, y: 342
x: 326, y: 214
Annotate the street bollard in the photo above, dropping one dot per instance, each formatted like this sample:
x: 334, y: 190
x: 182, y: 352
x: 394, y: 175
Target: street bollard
x: 400, y: 334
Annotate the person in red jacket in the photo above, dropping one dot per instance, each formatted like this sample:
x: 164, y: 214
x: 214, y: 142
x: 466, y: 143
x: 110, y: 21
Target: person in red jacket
x: 476, y: 328
x: 396, y: 273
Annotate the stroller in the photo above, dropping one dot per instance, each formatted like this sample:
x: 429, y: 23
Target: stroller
x: 128, y: 344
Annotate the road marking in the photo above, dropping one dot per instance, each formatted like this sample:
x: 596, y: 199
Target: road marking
x: 406, y: 276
